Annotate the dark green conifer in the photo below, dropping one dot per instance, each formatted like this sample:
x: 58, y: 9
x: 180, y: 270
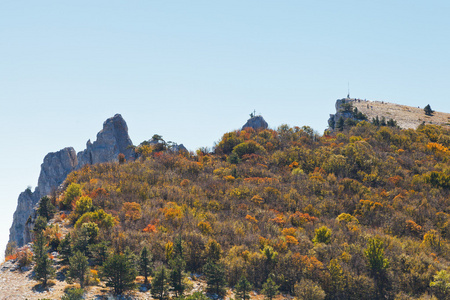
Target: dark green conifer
x: 270, y: 288
x: 243, y: 288
x: 119, y: 273
x: 215, y: 277
x: 79, y: 268
x: 43, y: 269
x: 160, y: 284
x: 145, y: 261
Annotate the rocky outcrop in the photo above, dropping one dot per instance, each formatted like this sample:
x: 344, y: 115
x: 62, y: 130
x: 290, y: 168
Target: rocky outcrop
x: 25, y: 204
x: 341, y: 112
x: 55, y: 167
x: 54, y: 170
x: 112, y: 140
x: 256, y: 122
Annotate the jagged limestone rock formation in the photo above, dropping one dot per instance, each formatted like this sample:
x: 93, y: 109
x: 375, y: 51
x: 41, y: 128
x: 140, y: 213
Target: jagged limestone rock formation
x: 56, y: 166
x: 256, y: 122
x: 54, y: 170
x: 112, y: 140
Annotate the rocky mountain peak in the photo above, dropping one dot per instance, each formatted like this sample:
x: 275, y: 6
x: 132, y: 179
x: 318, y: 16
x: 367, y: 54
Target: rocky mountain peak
x: 256, y: 122
x: 112, y: 140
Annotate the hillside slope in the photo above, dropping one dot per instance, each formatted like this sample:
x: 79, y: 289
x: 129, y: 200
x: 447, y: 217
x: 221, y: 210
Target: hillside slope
x: 357, y: 214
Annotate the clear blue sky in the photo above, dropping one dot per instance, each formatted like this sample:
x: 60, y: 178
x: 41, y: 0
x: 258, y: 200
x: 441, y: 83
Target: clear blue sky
x: 193, y: 70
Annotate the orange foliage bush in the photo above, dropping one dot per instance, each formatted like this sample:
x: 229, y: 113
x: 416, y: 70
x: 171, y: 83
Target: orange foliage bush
x: 150, y: 228
x: 251, y: 219
x: 132, y: 211
x: 289, y: 231
x: 299, y: 219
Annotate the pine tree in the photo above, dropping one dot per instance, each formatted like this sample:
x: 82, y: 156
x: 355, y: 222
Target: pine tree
x: 215, y: 277
x: 178, y: 265
x: 243, y: 288
x: 145, y: 260
x: 46, y: 208
x: 160, y: 284
x: 65, y: 249
x: 119, y: 273
x: 87, y: 236
x: 79, y: 267
x: 270, y: 288
x: 99, y: 252
x: 340, y: 123
x: 43, y: 268
x: 40, y: 225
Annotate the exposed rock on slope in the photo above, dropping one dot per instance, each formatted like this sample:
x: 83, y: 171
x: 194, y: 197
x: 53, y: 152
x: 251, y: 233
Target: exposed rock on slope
x: 256, y: 122
x: 54, y: 170
x: 56, y: 166
x: 112, y: 140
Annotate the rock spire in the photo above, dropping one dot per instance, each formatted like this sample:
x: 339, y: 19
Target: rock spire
x: 112, y: 140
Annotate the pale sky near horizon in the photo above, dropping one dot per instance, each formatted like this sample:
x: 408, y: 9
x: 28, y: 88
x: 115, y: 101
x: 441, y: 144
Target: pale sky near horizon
x: 193, y: 70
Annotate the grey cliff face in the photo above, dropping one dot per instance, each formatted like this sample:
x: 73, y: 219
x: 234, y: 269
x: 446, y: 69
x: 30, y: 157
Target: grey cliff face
x: 25, y: 205
x: 54, y: 170
x: 256, y: 123
x: 56, y: 166
x: 112, y: 140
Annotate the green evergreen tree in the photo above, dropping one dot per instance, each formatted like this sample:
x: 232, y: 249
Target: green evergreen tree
x: 46, y: 209
x: 65, y: 249
x: 99, y: 252
x: 119, y: 273
x: 215, y: 278
x: 391, y: 123
x: 43, y: 269
x: 160, y: 284
x: 145, y: 264
x: 270, y: 288
x: 79, y: 268
x: 40, y: 225
x: 178, y: 264
x: 243, y: 288
x: 86, y: 236
x: 340, y: 123
x: 376, y: 121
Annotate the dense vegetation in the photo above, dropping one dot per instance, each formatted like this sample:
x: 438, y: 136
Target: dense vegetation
x: 358, y: 214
